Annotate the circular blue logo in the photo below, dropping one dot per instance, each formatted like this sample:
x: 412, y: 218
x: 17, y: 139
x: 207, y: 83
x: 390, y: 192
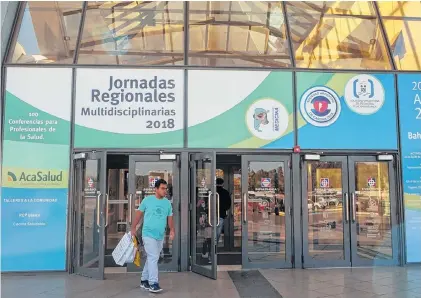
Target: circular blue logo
x: 320, y: 106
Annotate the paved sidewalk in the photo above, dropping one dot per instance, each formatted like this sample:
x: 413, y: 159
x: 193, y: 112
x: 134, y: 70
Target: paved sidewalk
x: 394, y: 282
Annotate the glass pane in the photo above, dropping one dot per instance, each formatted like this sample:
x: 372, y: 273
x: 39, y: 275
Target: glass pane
x: 89, y: 242
x: 405, y: 42
x: 146, y: 174
x: 373, y: 218
x: 400, y: 8
x: 326, y: 8
x: 238, y: 33
x: 331, y: 42
x: 133, y: 33
x: 203, y: 229
x: 236, y: 208
x: 48, y: 32
x: 325, y: 216
x: 117, y: 208
x: 266, y: 230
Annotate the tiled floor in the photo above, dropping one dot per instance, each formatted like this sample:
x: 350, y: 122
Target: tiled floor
x: 394, y: 282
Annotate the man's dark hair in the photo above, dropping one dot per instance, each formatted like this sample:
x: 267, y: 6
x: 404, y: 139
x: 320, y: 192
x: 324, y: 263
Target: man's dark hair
x: 219, y: 181
x: 159, y: 182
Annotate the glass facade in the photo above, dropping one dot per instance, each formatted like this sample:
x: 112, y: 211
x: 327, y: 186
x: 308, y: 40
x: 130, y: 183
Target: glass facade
x: 319, y: 35
x: 253, y: 79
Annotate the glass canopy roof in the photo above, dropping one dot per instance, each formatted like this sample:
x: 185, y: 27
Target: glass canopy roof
x: 321, y: 35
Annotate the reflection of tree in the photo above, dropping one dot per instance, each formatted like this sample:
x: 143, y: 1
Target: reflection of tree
x: 276, y: 176
x: 376, y: 170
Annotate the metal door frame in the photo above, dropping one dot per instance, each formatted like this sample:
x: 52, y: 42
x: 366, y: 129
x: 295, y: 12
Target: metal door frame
x: 174, y: 265
x: 287, y: 263
x: 101, y: 156
x: 309, y: 262
x: 356, y: 260
x: 202, y: 270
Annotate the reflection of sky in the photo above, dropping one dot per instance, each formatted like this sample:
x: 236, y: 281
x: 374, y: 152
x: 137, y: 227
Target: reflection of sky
x: 27, y: 37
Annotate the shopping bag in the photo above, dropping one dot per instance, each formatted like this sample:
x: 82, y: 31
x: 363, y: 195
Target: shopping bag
x: 124, y: 250
x: 136, y: 260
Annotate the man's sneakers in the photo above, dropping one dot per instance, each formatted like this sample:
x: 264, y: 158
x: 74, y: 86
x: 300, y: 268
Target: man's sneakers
x: 144, y: 284
x: 155, y: 288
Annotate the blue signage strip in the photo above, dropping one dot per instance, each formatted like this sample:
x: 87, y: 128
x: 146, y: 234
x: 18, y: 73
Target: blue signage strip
x: 34, y: 224
x: 346, y: 111
x: 409, y: 86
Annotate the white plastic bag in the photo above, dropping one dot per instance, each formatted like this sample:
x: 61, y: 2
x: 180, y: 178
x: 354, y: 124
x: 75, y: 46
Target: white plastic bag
x: 124, y: 250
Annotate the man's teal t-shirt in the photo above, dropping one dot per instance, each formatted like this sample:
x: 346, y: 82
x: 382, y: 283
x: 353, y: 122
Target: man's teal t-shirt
x: 155, y: 212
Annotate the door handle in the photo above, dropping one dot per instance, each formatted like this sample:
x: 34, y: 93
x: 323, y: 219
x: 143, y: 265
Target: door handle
x: 98, y: 210
x: 107, y: 205
x: 209, y: 208
x: 354, y: 209
x: 245, y: 207
x: 346, y: 207
x: 218, y: 209
x: 130, y: 208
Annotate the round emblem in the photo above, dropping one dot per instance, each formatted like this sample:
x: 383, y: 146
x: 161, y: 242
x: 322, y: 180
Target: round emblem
x: 364, y: 94
x: 320, y: 106
x: 267, y: 119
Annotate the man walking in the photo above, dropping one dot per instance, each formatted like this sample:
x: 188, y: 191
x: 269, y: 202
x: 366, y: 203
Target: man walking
x: 224, y: 205
x: 157, y: 211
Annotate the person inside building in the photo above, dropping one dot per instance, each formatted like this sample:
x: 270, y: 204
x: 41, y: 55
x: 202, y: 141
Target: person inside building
x: 224, y: 205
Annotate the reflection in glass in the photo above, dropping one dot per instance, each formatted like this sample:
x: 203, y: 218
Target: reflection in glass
x: 238, y: 33
x: 236, y: 208
x: 323, y: 40
x: 400, y: 8
x: 89, y: 242
x: 405, y: 42
x: 373, y: 218
x: 266, y: 230
x: 48, y: 32
x: 117, y: 208
x: 203, y: 248
x: 352, y: 8
x: 146, y: 174
x: 133, y: 33
x: 325, y: 216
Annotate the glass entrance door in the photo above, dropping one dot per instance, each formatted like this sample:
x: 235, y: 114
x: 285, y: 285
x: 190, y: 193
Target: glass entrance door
x: 144, y: 171
x: 90, y: 197
x: 326, y: 213
x: 204, y: 214
x: 349, y: 212
x: 266, y: 214
x: 374, y: 240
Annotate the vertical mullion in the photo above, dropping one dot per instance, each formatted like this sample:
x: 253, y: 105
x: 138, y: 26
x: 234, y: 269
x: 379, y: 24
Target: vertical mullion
x: 79, y: 37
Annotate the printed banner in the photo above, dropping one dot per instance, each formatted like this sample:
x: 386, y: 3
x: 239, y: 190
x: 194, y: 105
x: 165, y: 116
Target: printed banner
x: 240, y: 109
x: 129, y: 108
x: 346, y: 111
x: 35, y: 169
x: 409, y: 86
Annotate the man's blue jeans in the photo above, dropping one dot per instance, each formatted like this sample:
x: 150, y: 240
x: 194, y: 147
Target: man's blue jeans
x: 153, y: 249
x: 219, y: 230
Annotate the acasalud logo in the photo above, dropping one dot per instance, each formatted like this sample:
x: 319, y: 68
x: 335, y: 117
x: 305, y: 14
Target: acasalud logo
x: 35, y: 177
x: 11, y: 177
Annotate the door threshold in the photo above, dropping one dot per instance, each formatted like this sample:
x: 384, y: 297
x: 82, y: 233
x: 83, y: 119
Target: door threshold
x: 114, y: 270
x: 222, y: 268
